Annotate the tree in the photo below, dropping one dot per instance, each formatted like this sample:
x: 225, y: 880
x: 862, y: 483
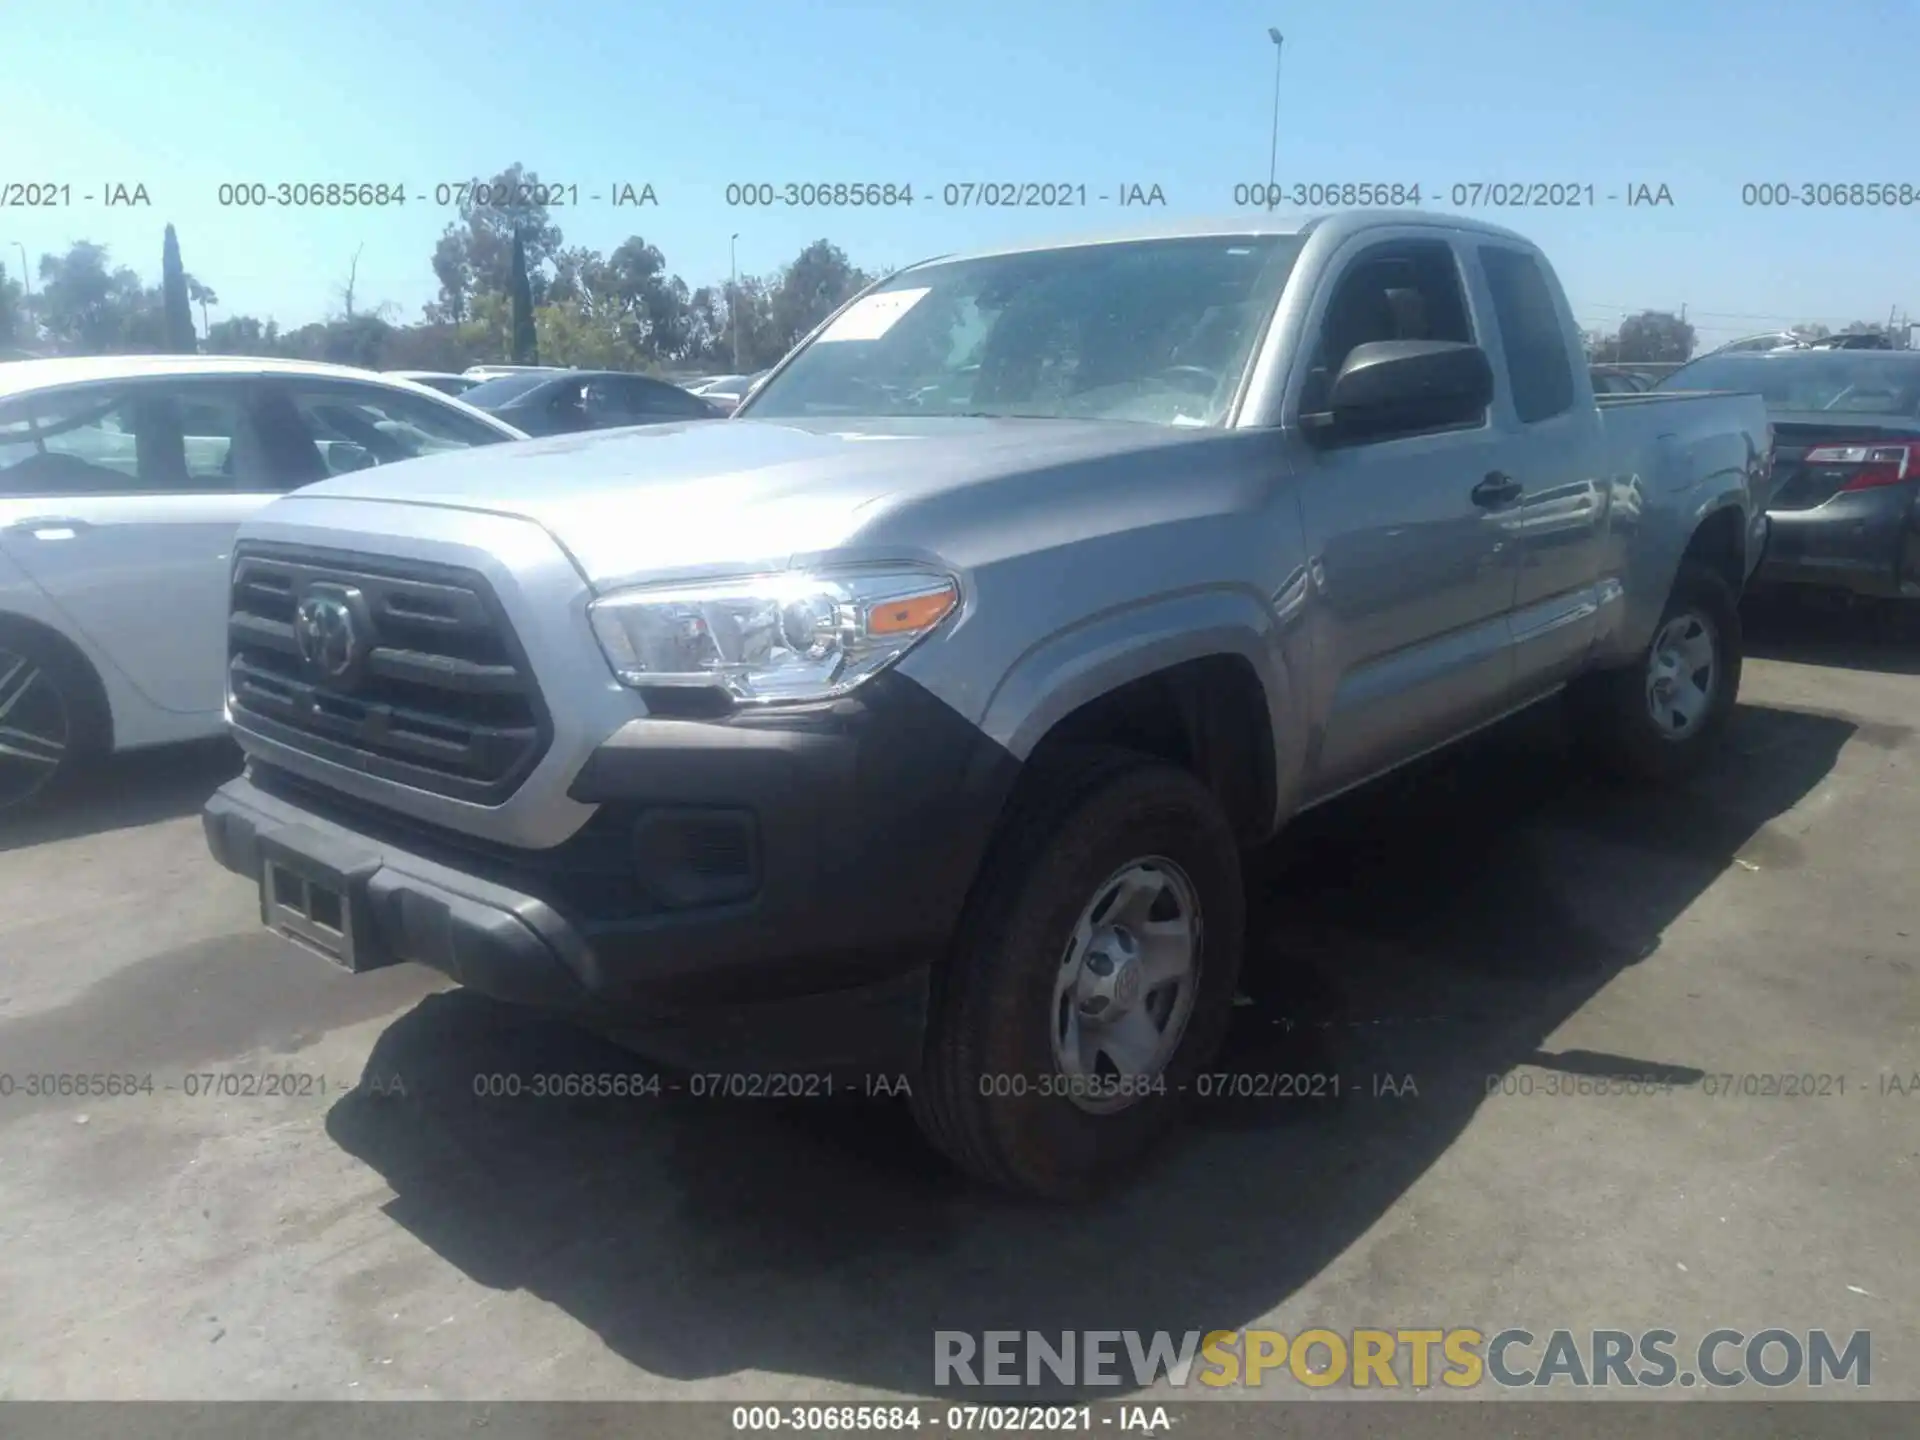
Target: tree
x: 1653, y: 336
x: 353, y: 279
x: 177, y: 328
x: 750, y: 312
x: 15, y: 327
x: 571, y: 334
x: 203, y: 296
x: 87, y: 306
x: 819, y: 281
x: 428, y: 346
x: 706, y: 326
x: 475, y: 256
x: 526, y: 343
x: 242, y: 335
x: 487, y: 331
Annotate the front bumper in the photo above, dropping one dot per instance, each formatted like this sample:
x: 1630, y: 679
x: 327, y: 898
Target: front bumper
x: 768, y: 894
x: 1866, y: 542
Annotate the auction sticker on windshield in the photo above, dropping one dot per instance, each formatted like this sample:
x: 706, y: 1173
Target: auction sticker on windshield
x: 872, y: 317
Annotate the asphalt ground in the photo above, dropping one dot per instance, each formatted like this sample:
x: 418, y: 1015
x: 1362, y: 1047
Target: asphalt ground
x: 1489, y: 932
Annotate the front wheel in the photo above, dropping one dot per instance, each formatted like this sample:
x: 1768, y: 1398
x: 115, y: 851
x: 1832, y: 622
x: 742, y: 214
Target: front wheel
x: 1092, y: 978
x: 1658, y: 718
x: 52, y: 722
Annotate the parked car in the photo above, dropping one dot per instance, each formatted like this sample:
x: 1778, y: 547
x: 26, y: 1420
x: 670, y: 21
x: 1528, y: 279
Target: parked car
x: 565, y: 401
x: 1762, y: 344
x: 1854, y: 340
x: 1614, y: 380
x: 445, y: 383
x: 913, y: 722
x: 122, y: 480
x: 494, y: 372
x: 717, y: 382
x: 1846, y: 476
x: 729, y: 392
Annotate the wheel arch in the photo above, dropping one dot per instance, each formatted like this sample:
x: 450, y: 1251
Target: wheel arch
x: 1194, y: 679
x: 14, y: 623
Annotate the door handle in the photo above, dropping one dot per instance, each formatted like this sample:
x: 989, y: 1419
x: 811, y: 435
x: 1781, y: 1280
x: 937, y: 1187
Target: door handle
x: 1497, y: 489
x: 49, y: 527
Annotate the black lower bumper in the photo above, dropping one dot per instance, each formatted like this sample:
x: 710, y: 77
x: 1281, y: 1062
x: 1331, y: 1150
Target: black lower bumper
x: 1866, y: 542
x: 756, y: 897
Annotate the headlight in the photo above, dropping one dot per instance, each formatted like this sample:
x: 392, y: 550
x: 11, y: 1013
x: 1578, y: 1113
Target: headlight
x: 771, y: 639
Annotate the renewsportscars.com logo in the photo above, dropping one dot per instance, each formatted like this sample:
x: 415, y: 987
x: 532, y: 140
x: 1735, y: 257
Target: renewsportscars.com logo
x: 1460, y: 1358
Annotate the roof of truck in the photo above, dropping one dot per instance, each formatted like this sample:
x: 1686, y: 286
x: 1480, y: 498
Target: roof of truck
x: 1183, y: 229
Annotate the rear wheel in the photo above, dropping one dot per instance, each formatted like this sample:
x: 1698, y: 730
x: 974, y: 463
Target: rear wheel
x: 52, y: 720
x: 1658, y: 718
x: 1091, y: 980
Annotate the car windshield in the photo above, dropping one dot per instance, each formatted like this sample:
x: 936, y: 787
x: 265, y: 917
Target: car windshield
x: 1157, y: 331
x: 1838, y: 380
x: 504, y: 389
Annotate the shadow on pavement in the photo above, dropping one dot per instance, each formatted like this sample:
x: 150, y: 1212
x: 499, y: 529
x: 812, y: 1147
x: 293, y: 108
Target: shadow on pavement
x: 1439, y: 925
x: 1818, y: 629
x: 138, y: 788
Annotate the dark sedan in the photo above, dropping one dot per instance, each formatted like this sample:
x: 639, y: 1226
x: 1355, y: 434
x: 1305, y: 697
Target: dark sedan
x: 1846, y: 462
x: 556, y: 402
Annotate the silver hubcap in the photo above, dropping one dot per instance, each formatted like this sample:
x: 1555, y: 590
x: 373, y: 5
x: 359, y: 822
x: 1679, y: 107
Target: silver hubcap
x: 1126, y: 984
x: 1681, y: 673
x: 33, y: 729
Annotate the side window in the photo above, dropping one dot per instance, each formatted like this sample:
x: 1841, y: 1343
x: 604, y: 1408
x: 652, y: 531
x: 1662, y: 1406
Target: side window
x: 1530, y: 332
x: 605, y: 403
x: 655, y: 401
x: 151, y: 437
x: 1398, y: 290
x: 312, y: 431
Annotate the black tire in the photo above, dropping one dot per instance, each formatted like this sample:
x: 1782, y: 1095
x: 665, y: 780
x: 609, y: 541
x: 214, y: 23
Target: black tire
x: 1612, y: 711
x: 45, y: 688
x: 1075, y: 822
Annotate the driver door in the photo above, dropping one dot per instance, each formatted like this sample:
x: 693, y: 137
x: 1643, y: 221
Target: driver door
x: 1413, y: 566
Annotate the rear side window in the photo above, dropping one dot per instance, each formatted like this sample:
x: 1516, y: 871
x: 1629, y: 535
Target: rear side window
x: 1529, y: 322
x: 147, y: 437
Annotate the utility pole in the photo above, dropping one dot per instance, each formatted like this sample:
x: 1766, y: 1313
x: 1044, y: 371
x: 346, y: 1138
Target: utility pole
x: 1273, y: 154
x: 733, y: 297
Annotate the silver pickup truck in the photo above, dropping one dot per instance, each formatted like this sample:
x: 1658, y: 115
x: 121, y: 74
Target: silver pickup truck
x: 913, y: 722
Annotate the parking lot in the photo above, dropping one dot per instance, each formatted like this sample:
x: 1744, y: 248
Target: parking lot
x: 389, y: 1233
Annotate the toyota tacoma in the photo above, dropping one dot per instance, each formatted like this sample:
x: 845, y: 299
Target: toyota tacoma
x: 915, y: 720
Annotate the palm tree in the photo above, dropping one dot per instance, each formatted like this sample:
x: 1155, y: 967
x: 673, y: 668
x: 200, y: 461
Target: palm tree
x: 203, y: 296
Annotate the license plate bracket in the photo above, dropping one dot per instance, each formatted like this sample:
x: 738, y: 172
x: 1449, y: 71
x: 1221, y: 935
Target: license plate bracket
x: 314, y: 903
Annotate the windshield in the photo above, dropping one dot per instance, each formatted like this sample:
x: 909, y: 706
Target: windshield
x: 491, y: 394
x: 1157, y: 331
x: 1838, y: 380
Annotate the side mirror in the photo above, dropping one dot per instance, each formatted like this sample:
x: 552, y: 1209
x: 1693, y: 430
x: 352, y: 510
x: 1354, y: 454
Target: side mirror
x: 1392, y: 386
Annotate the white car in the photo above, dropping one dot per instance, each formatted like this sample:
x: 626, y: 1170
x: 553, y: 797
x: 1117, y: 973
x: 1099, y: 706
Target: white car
x: 122, y: 480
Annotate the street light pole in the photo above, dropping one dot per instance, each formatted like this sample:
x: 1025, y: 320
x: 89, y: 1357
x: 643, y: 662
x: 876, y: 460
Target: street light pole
x: 733, y: 296
x: 1273, y: 155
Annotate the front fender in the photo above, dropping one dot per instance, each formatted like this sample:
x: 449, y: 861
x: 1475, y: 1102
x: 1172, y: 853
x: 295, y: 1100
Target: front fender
x: 1071, y: 667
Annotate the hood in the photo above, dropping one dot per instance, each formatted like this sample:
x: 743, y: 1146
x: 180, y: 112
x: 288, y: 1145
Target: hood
x: 730, y: 496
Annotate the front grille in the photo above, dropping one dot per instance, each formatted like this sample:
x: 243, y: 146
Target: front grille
x: 437, y: 693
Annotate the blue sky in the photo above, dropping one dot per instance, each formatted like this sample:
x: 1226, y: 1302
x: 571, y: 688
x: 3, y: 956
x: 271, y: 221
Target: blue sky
x: 1699, y: 95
